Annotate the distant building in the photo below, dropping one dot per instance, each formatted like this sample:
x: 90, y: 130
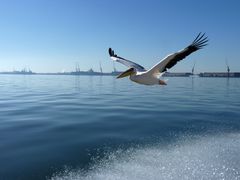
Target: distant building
x: 23, y: 71
x: 177, y: 74
x: 220, y: 74
x: 90, y: 70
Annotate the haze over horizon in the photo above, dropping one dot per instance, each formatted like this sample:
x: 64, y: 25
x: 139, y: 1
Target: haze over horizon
x: 52, y: 36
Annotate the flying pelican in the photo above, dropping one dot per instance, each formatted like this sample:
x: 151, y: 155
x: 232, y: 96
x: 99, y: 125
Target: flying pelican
x: 140, y: 75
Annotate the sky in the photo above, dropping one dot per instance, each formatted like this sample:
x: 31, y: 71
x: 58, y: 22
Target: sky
x: 54, y: 35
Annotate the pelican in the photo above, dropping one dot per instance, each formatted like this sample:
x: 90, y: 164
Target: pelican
x: 152, y: 76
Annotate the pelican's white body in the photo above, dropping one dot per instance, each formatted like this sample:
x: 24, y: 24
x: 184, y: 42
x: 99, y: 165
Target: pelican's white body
x: 144, y: 78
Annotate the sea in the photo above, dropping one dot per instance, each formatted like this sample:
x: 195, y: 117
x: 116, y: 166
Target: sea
x: 62, y: 127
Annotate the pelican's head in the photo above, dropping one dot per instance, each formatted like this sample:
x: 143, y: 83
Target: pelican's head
x: 126, y: 73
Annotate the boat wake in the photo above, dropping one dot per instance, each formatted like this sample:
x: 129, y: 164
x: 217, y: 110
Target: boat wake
x: 215, y: 157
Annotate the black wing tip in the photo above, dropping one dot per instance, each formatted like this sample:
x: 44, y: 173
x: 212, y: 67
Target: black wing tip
x: 200, y: 41
x: 111, y: 52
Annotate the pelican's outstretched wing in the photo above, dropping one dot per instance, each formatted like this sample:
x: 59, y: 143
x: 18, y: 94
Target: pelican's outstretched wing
x: 125, y: 62
x: 168, y: 62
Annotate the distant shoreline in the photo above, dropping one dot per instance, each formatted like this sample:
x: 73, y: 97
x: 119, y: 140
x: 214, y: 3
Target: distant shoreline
x: 167, y: 74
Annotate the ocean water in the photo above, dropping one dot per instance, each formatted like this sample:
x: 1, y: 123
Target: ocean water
x: 100, y: 128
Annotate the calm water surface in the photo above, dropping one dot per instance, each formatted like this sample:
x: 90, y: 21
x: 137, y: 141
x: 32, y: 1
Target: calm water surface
x: 86, y: 127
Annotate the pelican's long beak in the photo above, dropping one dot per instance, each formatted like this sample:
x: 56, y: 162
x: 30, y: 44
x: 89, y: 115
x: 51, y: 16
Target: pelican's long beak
x: 126, y: 73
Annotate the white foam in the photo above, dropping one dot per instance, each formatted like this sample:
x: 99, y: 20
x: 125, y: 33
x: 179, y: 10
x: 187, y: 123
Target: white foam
x: 190, y: 158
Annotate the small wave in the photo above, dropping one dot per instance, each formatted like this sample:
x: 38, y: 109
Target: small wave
x: 190, y: 158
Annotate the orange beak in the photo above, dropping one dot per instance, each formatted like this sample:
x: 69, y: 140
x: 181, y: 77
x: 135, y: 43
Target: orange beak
x: 126, y: 73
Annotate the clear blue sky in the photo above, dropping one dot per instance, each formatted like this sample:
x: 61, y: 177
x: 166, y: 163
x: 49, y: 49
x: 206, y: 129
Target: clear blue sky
x: 52, y: 35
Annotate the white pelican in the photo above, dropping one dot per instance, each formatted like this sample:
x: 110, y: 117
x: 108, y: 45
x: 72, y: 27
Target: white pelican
x: 140, y: 75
